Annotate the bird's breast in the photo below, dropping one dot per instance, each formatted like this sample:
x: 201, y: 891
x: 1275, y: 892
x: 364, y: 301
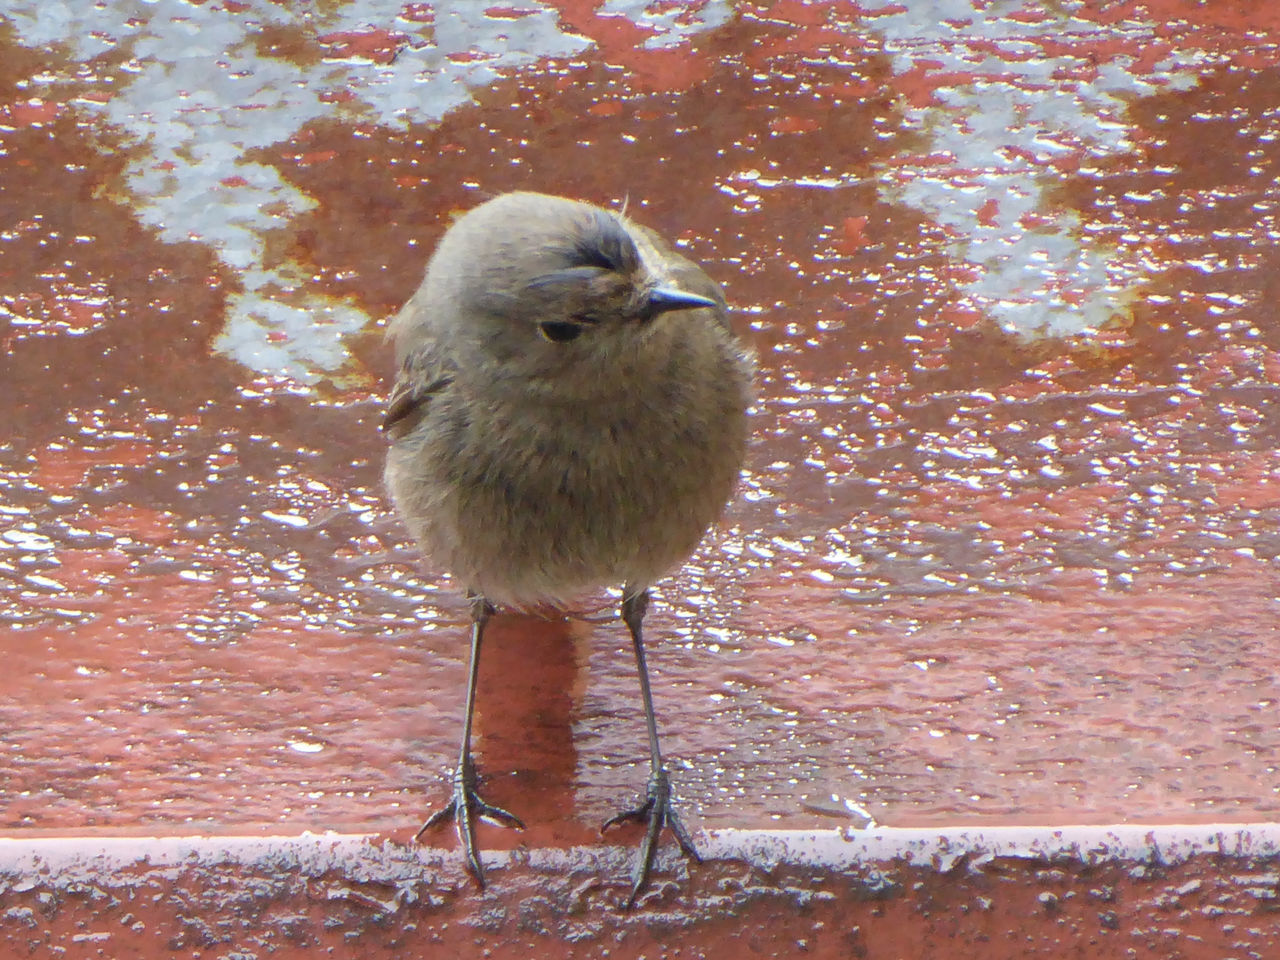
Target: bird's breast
x: 534, y: 496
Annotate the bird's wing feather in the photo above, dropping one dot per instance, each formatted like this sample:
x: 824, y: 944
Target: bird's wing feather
x: 423, y: 373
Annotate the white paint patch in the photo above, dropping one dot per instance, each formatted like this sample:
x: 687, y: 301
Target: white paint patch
x: 673, y: 24
x: 1002, y: 129
x: 202, y: 98
x: 84, y: 858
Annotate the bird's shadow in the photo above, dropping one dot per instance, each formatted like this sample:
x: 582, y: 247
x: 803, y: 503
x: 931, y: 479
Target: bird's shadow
x: 532, y: 674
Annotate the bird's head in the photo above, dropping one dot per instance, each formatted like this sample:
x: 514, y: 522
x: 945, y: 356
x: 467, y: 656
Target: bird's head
x: 557, y: 281
x: 602, y: 283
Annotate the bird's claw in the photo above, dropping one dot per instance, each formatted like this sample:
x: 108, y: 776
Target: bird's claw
x: 656, y: 812
x: 464, y: 809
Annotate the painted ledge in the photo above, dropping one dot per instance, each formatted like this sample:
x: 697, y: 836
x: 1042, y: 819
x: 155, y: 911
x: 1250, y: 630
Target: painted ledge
x: 376, y: 858
x: 1194, y: 892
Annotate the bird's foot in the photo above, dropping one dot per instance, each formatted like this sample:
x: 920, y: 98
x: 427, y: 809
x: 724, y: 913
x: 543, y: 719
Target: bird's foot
x: 656, y: 812
x: 465, y: 808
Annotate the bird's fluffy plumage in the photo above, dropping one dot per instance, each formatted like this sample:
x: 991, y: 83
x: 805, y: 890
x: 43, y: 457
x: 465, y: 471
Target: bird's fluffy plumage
x: 535, y: 468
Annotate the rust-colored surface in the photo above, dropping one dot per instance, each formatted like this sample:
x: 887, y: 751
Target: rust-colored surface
x: 297, y: 898
x: 1006, y: 550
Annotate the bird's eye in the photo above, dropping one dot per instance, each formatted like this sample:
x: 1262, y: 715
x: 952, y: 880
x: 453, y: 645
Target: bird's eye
x: 560, y: 331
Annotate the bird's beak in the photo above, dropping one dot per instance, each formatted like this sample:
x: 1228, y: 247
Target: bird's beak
x: 662, y: 299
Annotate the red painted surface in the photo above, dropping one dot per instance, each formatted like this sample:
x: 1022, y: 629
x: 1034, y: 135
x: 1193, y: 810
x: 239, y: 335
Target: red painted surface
x: 295, y: 898
x: 974, y: 577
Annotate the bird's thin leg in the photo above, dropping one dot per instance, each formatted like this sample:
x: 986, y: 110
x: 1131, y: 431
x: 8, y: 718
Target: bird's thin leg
x: 657, y: 810
x: 466, y: 805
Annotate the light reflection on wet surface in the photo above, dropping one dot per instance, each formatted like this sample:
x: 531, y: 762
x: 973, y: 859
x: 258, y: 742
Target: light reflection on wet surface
x: 974, y: 572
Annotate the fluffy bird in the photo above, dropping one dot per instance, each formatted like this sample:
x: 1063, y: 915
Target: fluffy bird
x: 570, y: 412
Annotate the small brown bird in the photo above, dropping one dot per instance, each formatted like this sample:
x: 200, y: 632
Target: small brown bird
x: 570, y: 412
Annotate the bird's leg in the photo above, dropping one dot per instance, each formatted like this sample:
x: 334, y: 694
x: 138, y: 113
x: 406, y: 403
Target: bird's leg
x: 657, y: 810
x: 467, y: 806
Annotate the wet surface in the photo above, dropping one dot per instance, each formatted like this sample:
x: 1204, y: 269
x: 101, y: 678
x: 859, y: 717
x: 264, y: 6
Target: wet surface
x: 1006, y: 547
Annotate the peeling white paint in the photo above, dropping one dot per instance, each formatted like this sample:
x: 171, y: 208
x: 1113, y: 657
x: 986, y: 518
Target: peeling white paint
x: 202, y: 97
x: 1003, y: 128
